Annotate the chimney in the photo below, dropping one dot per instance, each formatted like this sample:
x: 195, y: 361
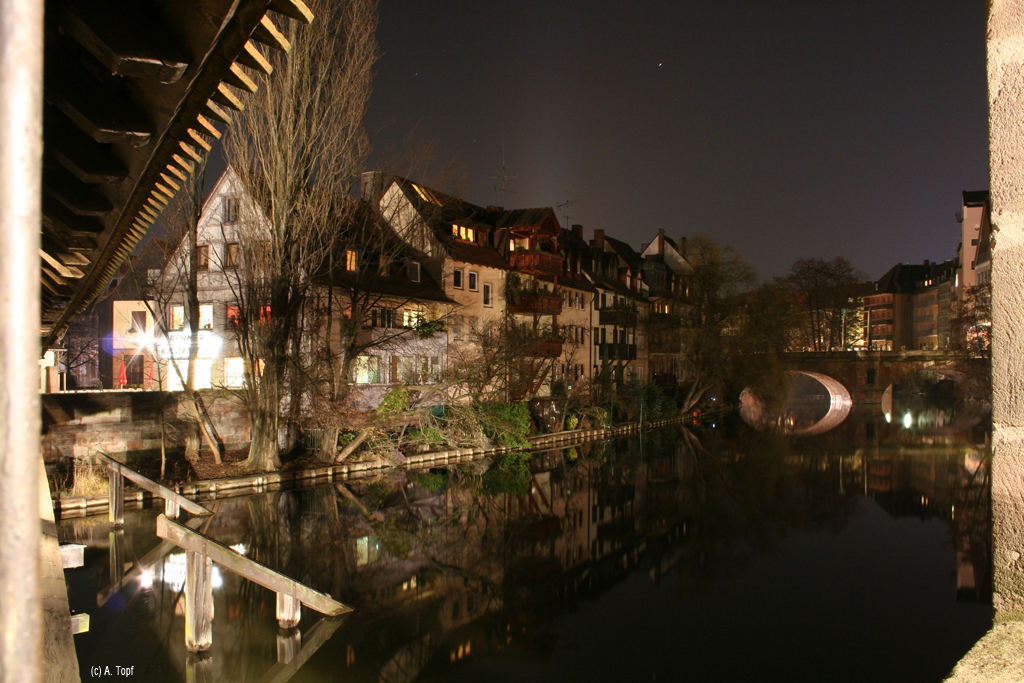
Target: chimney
x: 682, y: 247
x: 495, y: 209
x: 371, y: 186
x: 599, y: 238
x: 661, y: 241
x: 577, y: 230
x: 927, y: 262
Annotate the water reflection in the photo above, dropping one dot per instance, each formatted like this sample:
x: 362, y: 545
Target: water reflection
x: 815, y: 404
x: 607, y: 562
x: 933, y: 403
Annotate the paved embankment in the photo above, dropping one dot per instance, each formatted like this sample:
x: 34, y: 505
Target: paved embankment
x: 996, y: 658
x: 272, y: 481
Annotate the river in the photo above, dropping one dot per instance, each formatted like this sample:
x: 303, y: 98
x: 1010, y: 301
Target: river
x: 700, y: 553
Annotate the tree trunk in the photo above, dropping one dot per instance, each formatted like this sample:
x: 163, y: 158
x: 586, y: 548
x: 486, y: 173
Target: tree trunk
x: 329, y: 444
x: 349, y: 449
x: 206, y: 429
x: 264, y: 454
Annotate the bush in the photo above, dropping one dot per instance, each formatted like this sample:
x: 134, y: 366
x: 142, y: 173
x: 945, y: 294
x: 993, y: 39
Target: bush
x: 394, y: 403
x: 506, y: 425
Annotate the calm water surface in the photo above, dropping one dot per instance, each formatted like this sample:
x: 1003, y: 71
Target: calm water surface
x: 697, y: 554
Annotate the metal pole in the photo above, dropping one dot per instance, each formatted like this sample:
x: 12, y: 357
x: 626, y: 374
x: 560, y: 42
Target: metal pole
x: 21, y: 78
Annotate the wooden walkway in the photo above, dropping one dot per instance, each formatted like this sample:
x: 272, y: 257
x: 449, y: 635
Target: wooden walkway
x: 60, y: 662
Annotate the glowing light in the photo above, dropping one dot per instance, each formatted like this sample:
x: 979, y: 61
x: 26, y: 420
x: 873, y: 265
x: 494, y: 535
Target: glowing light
x: 888, y: 418
x: 146, y: 579
x: 239, y: 548
x: 908, y: 420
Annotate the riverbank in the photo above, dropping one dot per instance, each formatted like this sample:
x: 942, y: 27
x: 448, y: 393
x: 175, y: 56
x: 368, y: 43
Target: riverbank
x: 211, y: 489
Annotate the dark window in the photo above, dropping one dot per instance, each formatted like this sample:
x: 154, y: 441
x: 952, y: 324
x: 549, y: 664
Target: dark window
x: 232, y: 252
x: 138, y: 322
x: 230, y: 209
x: 871, y: 375
x: 473, y: 281
x: 414, y: 271
x: 487, y: 296
x: 457, y: 279
x: 203, y: 257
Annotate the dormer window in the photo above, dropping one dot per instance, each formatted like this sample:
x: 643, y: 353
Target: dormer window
x: 414, y: 271
x: 463, y: 233
x: 350, y: 260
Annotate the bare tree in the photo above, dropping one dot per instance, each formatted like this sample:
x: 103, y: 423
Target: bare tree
x: 826, y: 288
x: 297, y: 149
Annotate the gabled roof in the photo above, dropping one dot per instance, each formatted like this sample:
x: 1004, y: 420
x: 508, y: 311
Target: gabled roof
x: 625, y: 252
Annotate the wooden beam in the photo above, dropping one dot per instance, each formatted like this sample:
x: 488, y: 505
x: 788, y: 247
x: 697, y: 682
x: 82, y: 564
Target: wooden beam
x: 63, y: 270
x: 80, y: 198
x: 191, y: 151
x: 174, y: 170
x: 296, y: 9
x: 123, y: 39
x: 224, y: 96
x: 98, y: 111
x: 266, y: 32
x: 194, y: 541
x: 183, y: 164
x: 199, y: 139
x: 254, y: 59
x: 88, y: 160
x: 198, y: 600
x: 62, y: 219
x: 170, y: 182
x: 153, y: 487
x: 115, y: 511
x: 238, y: 78
x: 208, y: 127
x: 216, y: 112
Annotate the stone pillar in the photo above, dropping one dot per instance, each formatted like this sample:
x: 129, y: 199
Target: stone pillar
x: 21, y: 146
x: 1006, y: 172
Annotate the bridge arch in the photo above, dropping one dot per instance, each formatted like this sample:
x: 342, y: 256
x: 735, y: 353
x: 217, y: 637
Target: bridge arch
x: 840, y: 403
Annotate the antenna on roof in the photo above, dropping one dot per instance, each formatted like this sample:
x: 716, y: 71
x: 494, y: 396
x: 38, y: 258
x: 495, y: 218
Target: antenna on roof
x: 503, y: 177
x: 566, y: 204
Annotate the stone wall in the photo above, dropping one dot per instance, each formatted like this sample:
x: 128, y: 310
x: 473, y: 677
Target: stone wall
x: 1006, y: 172
x: 127, y: 423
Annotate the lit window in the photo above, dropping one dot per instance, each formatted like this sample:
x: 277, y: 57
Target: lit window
x: 487, y: 295
x: 177, y: 317
x: 206, y: 317
x: 350, y: 259
x: 412, y: 317
x: 367, y: 370
x: 234, y: 373
x: 457, y: 278
x: 473, y: 285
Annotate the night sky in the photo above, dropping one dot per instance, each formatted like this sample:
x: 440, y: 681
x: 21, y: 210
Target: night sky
x: 787, y: 129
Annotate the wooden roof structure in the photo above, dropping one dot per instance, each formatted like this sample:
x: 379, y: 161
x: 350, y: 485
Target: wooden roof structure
x: 135, y: 94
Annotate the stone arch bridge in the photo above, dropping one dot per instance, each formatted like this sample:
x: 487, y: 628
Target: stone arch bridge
x: 867, y: 374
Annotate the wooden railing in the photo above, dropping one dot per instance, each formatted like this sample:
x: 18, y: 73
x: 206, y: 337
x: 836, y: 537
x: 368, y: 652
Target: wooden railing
x: 201, y: 552
x: 173, y: 502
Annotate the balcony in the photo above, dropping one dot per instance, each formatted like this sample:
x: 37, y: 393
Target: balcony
x: 550, y: 347
x: 536, y: 262
x: 536, y: 303
x: 617, y: 317
x: 610, y: 352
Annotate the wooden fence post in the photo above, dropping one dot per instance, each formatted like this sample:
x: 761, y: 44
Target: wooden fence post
x: 171, y: 509
x: 289, y: 611
x: 116, y: 539
x: 198, y: 602
x: 115, y: 511
x: 199, y: 668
